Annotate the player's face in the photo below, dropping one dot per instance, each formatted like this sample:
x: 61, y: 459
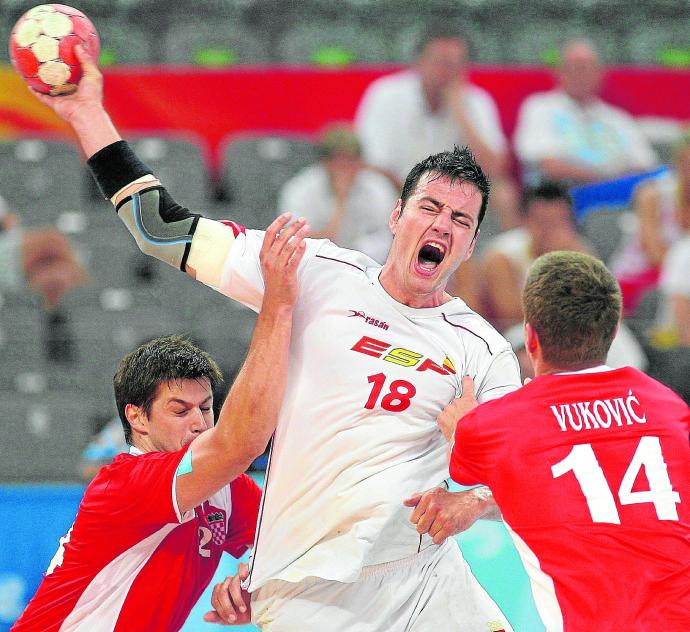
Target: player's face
x: 433, y: 235
x: 181, y: 411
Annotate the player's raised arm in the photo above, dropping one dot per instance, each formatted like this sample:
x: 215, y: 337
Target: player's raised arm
x: 250, y: 412
x: 161, y: 227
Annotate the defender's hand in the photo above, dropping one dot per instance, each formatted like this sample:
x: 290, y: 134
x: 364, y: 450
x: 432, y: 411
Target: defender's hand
x: 441, y: 513
x: 230, y: 601
x: 280, y: 256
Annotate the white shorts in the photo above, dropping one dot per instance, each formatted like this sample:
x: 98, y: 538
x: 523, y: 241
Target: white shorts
x: 433, y: 591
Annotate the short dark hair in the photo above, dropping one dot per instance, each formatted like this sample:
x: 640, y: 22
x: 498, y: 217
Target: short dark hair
x: 438, y: 31
x: 573, y: 302
x: 456, y: 165
x: 160, y: 360
x: 547, y: 191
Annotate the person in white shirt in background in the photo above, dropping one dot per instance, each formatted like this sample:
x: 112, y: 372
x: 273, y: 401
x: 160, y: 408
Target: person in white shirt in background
x: 428, y: 108
x: 675, y: 288
x: 341, y: 198
x: 569, y: 134
x: 662, y: 210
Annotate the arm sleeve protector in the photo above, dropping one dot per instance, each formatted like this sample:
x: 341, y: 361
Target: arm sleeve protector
x: 162, y: 228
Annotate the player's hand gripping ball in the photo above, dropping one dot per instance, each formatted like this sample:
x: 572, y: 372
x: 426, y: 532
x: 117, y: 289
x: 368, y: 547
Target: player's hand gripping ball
x: 42, y: 47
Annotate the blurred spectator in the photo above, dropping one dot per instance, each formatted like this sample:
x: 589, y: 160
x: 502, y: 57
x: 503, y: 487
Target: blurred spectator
x: 547, y: 226
x: 40, y: 258
x: 675, y: 292
x: 670, y: 353
x: 8, y: 219
x: 341, y: 198
x: 429, y: 108
x: 569, y: 134
x: 662, y: 206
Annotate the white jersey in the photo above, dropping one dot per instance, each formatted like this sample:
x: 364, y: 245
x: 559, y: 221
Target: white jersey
x: 357, y: 431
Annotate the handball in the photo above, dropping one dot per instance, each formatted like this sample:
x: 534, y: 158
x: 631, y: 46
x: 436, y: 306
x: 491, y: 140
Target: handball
x: 42, y: 47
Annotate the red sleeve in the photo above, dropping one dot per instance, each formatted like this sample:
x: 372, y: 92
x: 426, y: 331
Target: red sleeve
x: 246, y: 498
x: 465, y: 460
x: 141, y: 488
x: 236, y: 228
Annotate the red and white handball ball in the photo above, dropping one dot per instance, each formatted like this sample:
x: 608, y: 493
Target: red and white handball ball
x: 42, y: 47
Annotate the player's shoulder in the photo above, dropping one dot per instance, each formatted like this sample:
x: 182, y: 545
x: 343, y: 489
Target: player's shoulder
x: 111, y: 477
x: 125, y: 468
x: 328, y: 256
x: 473, y: 328
x: 652, y: 386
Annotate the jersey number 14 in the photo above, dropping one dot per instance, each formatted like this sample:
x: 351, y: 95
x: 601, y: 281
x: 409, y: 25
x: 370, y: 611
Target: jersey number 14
x: 582, y: 461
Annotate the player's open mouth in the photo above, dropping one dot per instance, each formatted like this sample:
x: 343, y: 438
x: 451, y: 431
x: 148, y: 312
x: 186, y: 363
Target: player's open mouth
x: 429, y: 257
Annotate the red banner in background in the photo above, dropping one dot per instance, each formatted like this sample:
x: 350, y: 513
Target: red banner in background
x: 214, y: 104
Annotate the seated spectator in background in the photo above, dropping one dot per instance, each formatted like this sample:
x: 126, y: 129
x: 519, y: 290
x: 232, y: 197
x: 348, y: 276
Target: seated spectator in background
x: 430, y: 107
x: 547, y: 226
x: 569, y: 134
x: 341, y: 198
x: 671, y: 339
x: 8, y: 219
x: 674, y: 284
x: 41, y: 259
x: 662, y: 206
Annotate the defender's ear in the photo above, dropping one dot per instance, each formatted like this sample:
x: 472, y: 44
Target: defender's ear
x: 531, y: 339
x: 137, y: 419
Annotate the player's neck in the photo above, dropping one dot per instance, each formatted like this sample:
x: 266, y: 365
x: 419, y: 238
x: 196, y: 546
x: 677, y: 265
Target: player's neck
x: 143, y: 445
x: 544, y: 368
x: 397, y: 290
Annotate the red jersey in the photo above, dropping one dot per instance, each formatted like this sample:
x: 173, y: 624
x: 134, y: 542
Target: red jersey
x: 131, y: 561
x: 591, y: 471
